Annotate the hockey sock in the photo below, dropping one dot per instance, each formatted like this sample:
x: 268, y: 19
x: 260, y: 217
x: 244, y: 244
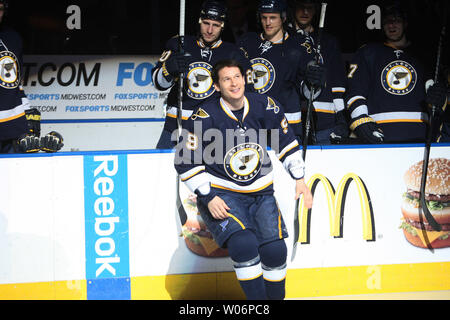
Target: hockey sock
x: 243, y: 250
x: 273, y: 257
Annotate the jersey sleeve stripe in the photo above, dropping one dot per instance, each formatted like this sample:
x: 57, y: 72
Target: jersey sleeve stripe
x: 324, y: 106
x: 12, y: 114
x: 293, y: 117
x: 172, y: 113
x: 400, y: 117
x: 361, y: 110
x: 338, y: 90
x: 196, y: 181
x: 353, y: 99
x: 190, y: 173
x: 286, y: 149
x: 258, y: 185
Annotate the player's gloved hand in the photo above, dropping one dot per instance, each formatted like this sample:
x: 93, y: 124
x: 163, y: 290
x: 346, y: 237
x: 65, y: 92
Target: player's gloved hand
x: 367, y: 130
x: 176, y: 63
x: 33, y: 117
x: 341, y: 129
x: 437, y: 96
x: 28, y: 143
x: 315, y: 75
x: 51, y: 142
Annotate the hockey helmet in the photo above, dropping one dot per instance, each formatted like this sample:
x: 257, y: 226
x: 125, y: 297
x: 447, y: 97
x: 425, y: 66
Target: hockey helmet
x: 270, y: 6
x: 214, y: 10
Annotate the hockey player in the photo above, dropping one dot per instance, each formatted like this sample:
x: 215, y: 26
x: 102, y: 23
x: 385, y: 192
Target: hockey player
x: 232, y: 177
x: 279, y: 62
x: 329, y: 112
x: 19, y: 123
x: 201, y: 52
x: 386, y: 87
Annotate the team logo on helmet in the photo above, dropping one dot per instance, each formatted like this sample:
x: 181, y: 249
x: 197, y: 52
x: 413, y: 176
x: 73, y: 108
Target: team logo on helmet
x: 200, y: 84
x: 9, y: 70
x: 263, y: 74
x: 243, y: 162
x: 398, y: 78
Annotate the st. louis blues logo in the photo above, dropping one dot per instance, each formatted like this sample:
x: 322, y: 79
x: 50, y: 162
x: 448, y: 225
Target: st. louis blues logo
x: 398, y: 78
x: 263, y: 74
x: 9, y: 70
x: 271, y: 105
x: 200, y: 84
x: 243, y: 162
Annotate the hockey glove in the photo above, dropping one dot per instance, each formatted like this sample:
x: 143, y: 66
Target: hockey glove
x: 33, y: 117
x: 315, y: 75
x: 176, y: 63
x: 437, y: 96
x: 340, y: 130
x: 27, y: 143
x: 367, y: 129
x: 52, y: 142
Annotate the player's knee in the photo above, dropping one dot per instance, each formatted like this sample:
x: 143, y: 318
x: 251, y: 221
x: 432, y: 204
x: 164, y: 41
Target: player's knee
x: 273, y: 258
x: 243, y: 246
x: 243, y: 250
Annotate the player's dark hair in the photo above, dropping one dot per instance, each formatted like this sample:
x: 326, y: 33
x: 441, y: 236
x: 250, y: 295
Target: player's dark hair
x: 223, y: 64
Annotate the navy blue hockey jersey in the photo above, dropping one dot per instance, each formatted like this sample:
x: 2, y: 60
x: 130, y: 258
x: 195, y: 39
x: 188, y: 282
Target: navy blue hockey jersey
x: 198, y: 84
x: 388, y: 85
x: 228, y: 150
x: 278, y: 70
x: 13, y: 101
x: 331, y: 99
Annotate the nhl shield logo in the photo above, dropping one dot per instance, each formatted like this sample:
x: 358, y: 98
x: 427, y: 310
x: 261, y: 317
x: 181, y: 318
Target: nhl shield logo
x: 9, y: 70
x: 263, y: 74
x: 200, y: 84
x: 398, y: 78
x: 243, y: 162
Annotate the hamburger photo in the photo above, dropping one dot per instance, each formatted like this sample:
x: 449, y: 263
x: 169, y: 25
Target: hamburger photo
x: 196, y: 235
x: 415, y: 226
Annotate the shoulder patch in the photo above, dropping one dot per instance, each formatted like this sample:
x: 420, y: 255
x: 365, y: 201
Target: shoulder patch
x: 271, y: 105
x: 201, y: 113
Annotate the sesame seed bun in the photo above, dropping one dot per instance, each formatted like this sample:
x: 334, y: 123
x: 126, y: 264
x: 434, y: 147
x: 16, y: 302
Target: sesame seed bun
x: 438, y: 176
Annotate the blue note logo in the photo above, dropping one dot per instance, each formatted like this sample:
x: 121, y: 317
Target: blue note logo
x: 243, y: 162
x: 263, y: 74
x: 9, y: 70
x: 398, y: 78
x: 200, y: 84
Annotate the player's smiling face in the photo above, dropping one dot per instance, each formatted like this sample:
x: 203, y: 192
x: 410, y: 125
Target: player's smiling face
x: 272, y: 24
x: 210, y: 30
x: 231, y: 85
